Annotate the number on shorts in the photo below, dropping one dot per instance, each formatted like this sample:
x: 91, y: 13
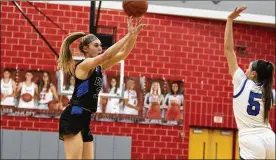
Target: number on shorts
x: 253, y: 108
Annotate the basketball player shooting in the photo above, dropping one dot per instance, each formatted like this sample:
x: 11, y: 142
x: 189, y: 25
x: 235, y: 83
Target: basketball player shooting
x: 74, y: 124
x: 252, y: 100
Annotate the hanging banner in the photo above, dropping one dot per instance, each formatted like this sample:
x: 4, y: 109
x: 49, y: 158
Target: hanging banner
x: 127, y: 99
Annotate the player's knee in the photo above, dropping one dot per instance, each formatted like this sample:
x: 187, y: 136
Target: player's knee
x: 75, y: 153
x: 73, y: 146
x: 87, y: 148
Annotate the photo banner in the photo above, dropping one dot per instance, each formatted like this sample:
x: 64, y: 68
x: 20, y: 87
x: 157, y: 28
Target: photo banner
x: 143, y: 100
x: 163, y: 101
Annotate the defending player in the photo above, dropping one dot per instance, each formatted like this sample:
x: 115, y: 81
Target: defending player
x: 252, y: 100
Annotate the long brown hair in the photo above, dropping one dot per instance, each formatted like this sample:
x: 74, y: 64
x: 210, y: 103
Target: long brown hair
x: 65, y: 61
x: 265, y: 71
x: 42, y: 83
x: 117, y: 85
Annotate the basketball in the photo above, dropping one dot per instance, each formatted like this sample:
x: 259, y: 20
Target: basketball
x: 27, y: 97
x: 52, y: 105
x: 103, y: 101
x: 135, y: 8
x: 65, y: 101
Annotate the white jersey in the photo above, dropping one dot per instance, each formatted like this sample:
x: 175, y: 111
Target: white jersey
x: 113, y: 104
x: 45, y: 98
x: 6, y: 89
x: 149, y: 98
x: 247, y: 102
x: 178, y: 99
x: 131, y: 95
x: 27, y: 89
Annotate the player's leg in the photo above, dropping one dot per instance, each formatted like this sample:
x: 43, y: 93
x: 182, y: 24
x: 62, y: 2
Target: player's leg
x: 70, y: 126
x: 251, y: 147
x: 88, y: 150
x: 73, y: 146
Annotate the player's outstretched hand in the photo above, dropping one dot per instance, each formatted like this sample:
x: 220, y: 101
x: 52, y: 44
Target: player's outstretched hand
x: 236, y: 13
x: 139, y: 25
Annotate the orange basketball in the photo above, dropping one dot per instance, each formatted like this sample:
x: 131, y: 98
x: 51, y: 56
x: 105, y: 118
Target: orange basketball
x: 52, y: 105
x: 135, y: 8
x: 27, y: 97
x: 103, y: 100
x: 65, y: 101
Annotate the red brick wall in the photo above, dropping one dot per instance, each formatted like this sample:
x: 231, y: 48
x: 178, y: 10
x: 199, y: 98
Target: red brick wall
x: 172, y: 47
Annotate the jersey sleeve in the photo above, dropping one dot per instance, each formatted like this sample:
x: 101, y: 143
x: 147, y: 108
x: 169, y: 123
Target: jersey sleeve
x: 238, y: 78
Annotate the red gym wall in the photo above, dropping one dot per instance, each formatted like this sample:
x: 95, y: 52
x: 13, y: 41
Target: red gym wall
x: 172, y: 47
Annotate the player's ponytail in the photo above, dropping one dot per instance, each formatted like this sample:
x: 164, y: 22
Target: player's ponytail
x: 65, y: 61
x: 268, y: 91
x: 265, y: 75
x: 267, y: 97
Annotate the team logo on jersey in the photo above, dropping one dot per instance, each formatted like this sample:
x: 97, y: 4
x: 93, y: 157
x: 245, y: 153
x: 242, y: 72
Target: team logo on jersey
x: 97, y: 92
x: 98, y: 81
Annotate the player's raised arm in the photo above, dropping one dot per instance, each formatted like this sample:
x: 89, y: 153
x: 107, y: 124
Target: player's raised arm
x: 90, y: 45
x: 92, y: 62
x: 228, y: 41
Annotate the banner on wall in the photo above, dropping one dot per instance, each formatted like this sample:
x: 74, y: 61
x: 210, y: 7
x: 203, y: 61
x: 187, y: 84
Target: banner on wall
x: 163, y: 101
x: 143, y: 100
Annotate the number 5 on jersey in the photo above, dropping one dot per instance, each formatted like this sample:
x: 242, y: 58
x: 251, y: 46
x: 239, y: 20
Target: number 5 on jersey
x: 253, y: 108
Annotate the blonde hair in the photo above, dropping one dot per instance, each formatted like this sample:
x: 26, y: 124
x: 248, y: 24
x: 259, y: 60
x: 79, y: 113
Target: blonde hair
x: 65, y: 61
x: 158, y: 90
